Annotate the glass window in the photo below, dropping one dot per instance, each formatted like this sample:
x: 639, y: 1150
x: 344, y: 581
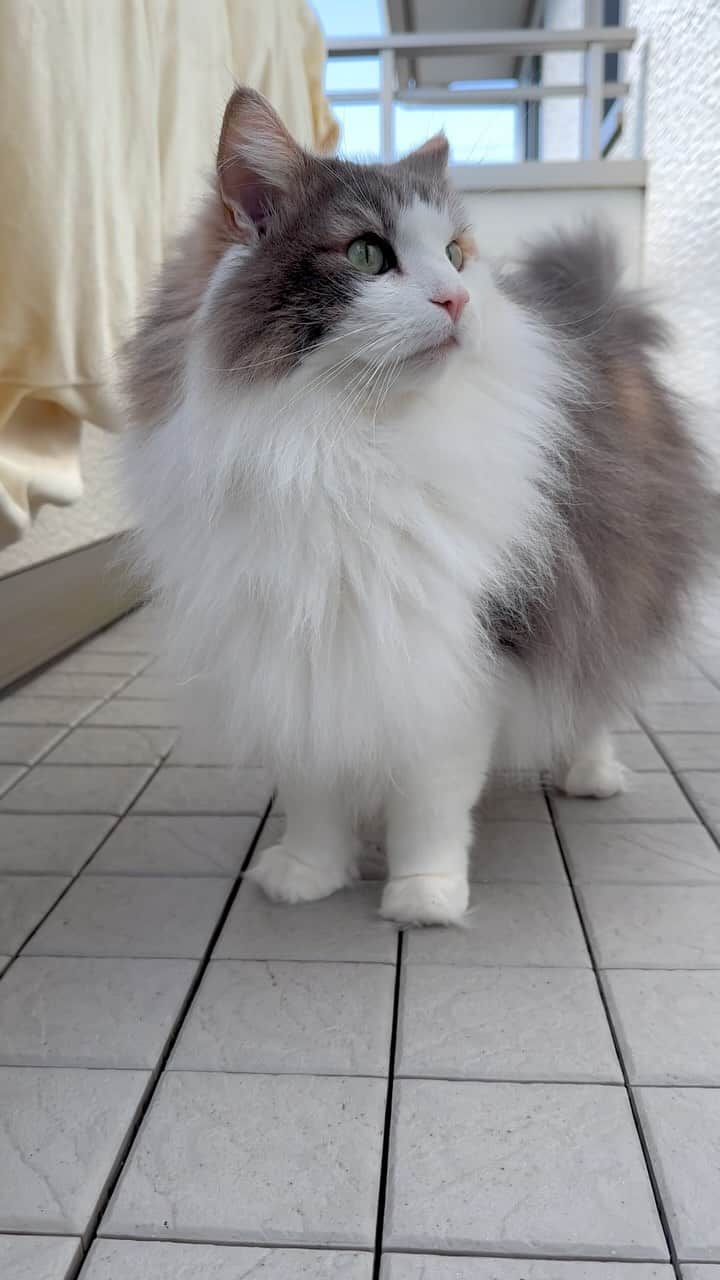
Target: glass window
x: 350, y: 17
x: 359, y: 130
x: 352, y: 73
x: 477, y: 134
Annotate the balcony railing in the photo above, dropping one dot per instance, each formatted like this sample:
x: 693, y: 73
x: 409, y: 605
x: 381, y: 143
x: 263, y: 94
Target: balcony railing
x: 591, y: 89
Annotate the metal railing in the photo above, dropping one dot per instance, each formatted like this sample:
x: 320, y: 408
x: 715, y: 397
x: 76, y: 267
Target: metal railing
x: 592, y: 89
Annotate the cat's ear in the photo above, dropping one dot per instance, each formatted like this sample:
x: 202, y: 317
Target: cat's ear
x: 256, y: 161
x: 433, y: 154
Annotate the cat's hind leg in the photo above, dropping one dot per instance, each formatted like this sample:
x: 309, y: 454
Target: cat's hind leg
x: 318, y: 852
x: 593, y: 769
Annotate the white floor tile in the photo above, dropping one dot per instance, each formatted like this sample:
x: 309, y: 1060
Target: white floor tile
x: 153, y: 686
x: 88, y: 746
x: 84, y: 661
x: 24, y: 900
x: 651, y: 797
x: 182, y: 846
x: 115, y: 640
x: 9, y: 775
x: 49, y: 843
x: 654, y: 926
x: 289, y: 1159
x: 187, y: 790
x: 343, y: 927
x: 508, y: 924
x: 686, y: 689
x: 133, y: 916
x: 705, y: 791
x: 125, y: 712
x: 61, y: 1011
x: 199, y: 748
x: 25, y: 743
x: 641, y: 852
x: 682, y: 717
x: 64, y: 684
x: 280, y: 1016
x: 691, y: 750
x: 637, y: 753
x: 516, y: 851
x: 504, y: 1024
x: 682, y: 1128
x: 668, y: 1024
x: 76, y: 789
x: 38, y: 1257
x: 508, y: 802
x: 509, y: 1168
x: 21, y: 709
x: 61, y: 1132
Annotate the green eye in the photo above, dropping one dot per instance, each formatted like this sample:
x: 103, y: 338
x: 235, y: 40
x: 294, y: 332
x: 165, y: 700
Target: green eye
x: 455, y: 254
x: 371, y: 255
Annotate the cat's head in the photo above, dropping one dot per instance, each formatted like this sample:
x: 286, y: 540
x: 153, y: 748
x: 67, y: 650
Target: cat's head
x: 329, y: 263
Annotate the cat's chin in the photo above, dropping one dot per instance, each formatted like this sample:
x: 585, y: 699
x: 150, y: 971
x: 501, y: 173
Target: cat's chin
x: 428, y: 357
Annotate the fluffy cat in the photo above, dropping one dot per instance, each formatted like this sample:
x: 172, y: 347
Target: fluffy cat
x: 405, y: 515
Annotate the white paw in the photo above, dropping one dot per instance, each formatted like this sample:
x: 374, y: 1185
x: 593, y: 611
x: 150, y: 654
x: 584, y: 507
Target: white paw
x: 425, y: 899
x: 287, y: 878
x: 599, y: 778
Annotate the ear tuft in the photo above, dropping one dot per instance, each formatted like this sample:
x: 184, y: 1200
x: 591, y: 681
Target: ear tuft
x: 256, y: 161
x: 432, y: 154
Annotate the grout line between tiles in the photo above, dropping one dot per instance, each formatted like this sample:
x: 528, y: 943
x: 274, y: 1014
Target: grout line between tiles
x: 660, y: 1207
x: 118, y: 819
x: 192, y: 813
x: 306, y: 1247
x: 429, y: 1251
x: 655, y: 739
x: 66, y: 730
x: 387, y: 1126
x: 540, y: 1256
x: 158, y: 1072
x: 296, y: 1246
x: 707, y: 674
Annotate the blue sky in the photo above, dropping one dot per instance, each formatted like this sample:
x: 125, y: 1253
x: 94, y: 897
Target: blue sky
x: 476, y: 134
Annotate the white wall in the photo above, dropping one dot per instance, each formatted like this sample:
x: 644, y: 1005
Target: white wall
x: 561, y: 118
x: 681, y: 251
x: 503, y: 219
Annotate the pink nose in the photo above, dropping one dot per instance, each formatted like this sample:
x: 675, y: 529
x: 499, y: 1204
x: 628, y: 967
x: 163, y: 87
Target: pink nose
x: 454, y: 302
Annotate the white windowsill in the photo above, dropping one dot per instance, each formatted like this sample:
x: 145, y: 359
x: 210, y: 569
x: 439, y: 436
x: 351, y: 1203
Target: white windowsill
x: 554, y: 175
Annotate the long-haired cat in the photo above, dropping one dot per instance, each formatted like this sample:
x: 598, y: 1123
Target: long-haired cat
x: 405, y: 515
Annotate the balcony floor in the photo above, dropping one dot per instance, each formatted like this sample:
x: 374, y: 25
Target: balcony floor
x: 197, y: 1085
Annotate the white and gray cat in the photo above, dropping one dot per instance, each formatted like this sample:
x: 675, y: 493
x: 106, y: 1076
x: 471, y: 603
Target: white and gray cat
x: 406, y: 516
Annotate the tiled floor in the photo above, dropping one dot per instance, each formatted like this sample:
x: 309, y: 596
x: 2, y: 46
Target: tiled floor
x: 198, y: 1085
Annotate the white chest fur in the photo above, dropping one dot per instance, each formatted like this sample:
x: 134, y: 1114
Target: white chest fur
x: 323, y: 569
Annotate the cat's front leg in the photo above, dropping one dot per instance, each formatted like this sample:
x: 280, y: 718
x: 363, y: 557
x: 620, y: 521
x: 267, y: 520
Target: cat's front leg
x: 428, y: 837
x: 318, y: 852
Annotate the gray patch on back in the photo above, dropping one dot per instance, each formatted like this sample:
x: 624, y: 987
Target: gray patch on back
x: 634, y: 508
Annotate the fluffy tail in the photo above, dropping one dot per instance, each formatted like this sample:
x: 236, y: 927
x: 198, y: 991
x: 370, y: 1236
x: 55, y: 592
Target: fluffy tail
x: 574, y: 279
